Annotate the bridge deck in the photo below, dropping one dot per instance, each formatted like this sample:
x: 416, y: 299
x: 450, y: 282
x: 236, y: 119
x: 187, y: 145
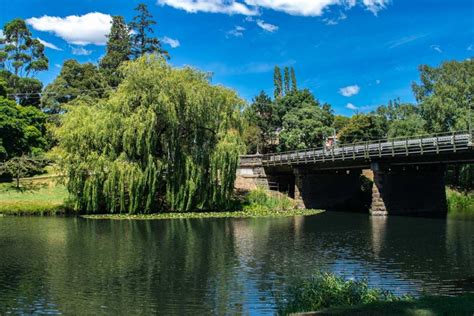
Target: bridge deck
x: 397, y: 147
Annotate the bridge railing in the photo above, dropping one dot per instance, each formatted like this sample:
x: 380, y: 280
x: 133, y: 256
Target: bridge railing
x: 387, y: 147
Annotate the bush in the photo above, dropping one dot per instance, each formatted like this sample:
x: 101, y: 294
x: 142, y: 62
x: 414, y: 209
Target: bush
x: 326, y: 290
x: 460, y: 202
x: 265, y: 200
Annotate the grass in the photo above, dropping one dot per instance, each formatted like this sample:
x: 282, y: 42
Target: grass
x: 328, y: 294
x: 35, y: 197
x: 460, y: 202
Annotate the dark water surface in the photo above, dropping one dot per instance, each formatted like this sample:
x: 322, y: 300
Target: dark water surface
x: 219, y: 266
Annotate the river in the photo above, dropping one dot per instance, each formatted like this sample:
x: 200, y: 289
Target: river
x: 215, y: 266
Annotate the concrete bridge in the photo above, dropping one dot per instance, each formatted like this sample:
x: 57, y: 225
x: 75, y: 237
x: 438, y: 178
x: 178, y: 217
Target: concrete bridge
x: 407, y: 174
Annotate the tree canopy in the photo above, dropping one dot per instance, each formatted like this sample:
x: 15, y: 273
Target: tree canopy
x: 19, y: 52
x: 75, y: 80
x: 165, y: 140
x: 118, y: 50
x: 142, y: 42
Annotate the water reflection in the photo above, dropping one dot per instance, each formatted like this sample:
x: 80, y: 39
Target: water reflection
x: 219, y: 266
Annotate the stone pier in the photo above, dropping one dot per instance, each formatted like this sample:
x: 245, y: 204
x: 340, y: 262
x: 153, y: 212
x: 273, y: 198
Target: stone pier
x: 417, y: 190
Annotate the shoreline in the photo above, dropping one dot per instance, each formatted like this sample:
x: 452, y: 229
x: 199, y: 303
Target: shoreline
x: 194, y: 215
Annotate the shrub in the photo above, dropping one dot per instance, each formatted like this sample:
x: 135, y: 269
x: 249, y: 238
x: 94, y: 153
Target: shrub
x: 325, y: 290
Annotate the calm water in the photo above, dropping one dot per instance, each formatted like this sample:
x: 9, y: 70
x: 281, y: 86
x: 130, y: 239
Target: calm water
x: 217, y: 266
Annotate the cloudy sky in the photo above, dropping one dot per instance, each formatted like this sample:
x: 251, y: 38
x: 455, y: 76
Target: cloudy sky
x: 353, y: 54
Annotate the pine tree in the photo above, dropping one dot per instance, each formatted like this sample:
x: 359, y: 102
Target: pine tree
x: 118, y: 50
x: 278, y: 92
x: 287, y: 80
x: 141, y: 25
x: 294, y: 86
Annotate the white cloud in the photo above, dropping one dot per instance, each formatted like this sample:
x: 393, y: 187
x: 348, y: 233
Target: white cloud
x: 469, y: 48
x: 336, y: 20
x: 436, y: 48
x: 171, y: 42
x: 90, y: 28
x: 252, y: 7
x: 211, y: 6
x: 48, y: 44
x: 375, y: 6
x: 267, y: 26
x: 80, y: 51
x: 349, y: 90
x: 1, y: 34
x: 351, y: 106
x: 237, y: 31
x: 57, y: 66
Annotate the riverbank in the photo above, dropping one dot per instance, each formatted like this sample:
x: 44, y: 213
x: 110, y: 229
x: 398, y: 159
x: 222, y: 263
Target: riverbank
x: 329, y: 294
x: 43, y: 196
x: 460, y: 203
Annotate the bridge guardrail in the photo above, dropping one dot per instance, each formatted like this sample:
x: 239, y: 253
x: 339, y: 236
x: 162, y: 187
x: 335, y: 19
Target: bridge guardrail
x: 387, y: 147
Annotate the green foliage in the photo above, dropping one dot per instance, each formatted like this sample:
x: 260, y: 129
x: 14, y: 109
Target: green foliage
x: 277, y: 83
x: 325, y: 290
x: 118, y: 50
x: 304, y: 121
x: 19, y: 51
x: 287, y: 80
x: 142, y: 43
x: 26, y: 91
x: 402, y: 119
x: 261, y: 116
x: 363, y: 127
x: 340, y: 122
x: 22, y: 130
x: 165, y: 141
x: 460, y: 202
x: 445, y: 95
x: 75, y: 80
x: 294, y: 85
x: 19, y: 167
x: 264, y: 200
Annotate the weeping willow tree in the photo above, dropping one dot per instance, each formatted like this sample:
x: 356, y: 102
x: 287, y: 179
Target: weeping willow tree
x: 166, y: 140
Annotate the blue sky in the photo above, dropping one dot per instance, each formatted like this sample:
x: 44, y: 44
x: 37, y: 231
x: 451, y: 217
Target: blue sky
x: 353, y: 54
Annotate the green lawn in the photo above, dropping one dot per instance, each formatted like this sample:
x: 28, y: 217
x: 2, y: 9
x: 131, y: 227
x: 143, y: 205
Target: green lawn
x: 37, y: 196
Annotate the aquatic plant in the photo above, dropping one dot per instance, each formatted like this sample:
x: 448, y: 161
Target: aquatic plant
x: 325, y: 290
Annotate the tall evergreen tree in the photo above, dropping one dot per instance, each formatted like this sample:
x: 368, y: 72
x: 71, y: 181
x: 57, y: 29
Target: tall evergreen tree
x: 277, y: 82
x: 294, y: 86
x: 19, y: 52
x: 287, y: 80
x: 142, y: 43
x: 118, y: 50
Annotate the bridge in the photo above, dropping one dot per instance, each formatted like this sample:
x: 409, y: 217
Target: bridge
x: 407, y: 174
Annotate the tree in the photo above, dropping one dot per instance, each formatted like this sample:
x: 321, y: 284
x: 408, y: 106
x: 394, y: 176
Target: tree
x: 445, y: 95
x: 20, y: 167
x: 277, y: 82
x: 363, y: 127
x: 304, y: 127
x: 75, y: 80
x: 340, y: 122
x: 294, y: 85
x: 118, y: 50
x: 287, y: 80
x: 166, y: 140
x: 22, y: 130
x: 19, y: 52
x: 403, y: 119
x: 141, y: 42
x: 262, y: 113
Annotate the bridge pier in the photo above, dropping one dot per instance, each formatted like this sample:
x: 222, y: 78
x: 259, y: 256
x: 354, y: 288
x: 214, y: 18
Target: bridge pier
x: 408, y: 190
x: 338, y: 190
